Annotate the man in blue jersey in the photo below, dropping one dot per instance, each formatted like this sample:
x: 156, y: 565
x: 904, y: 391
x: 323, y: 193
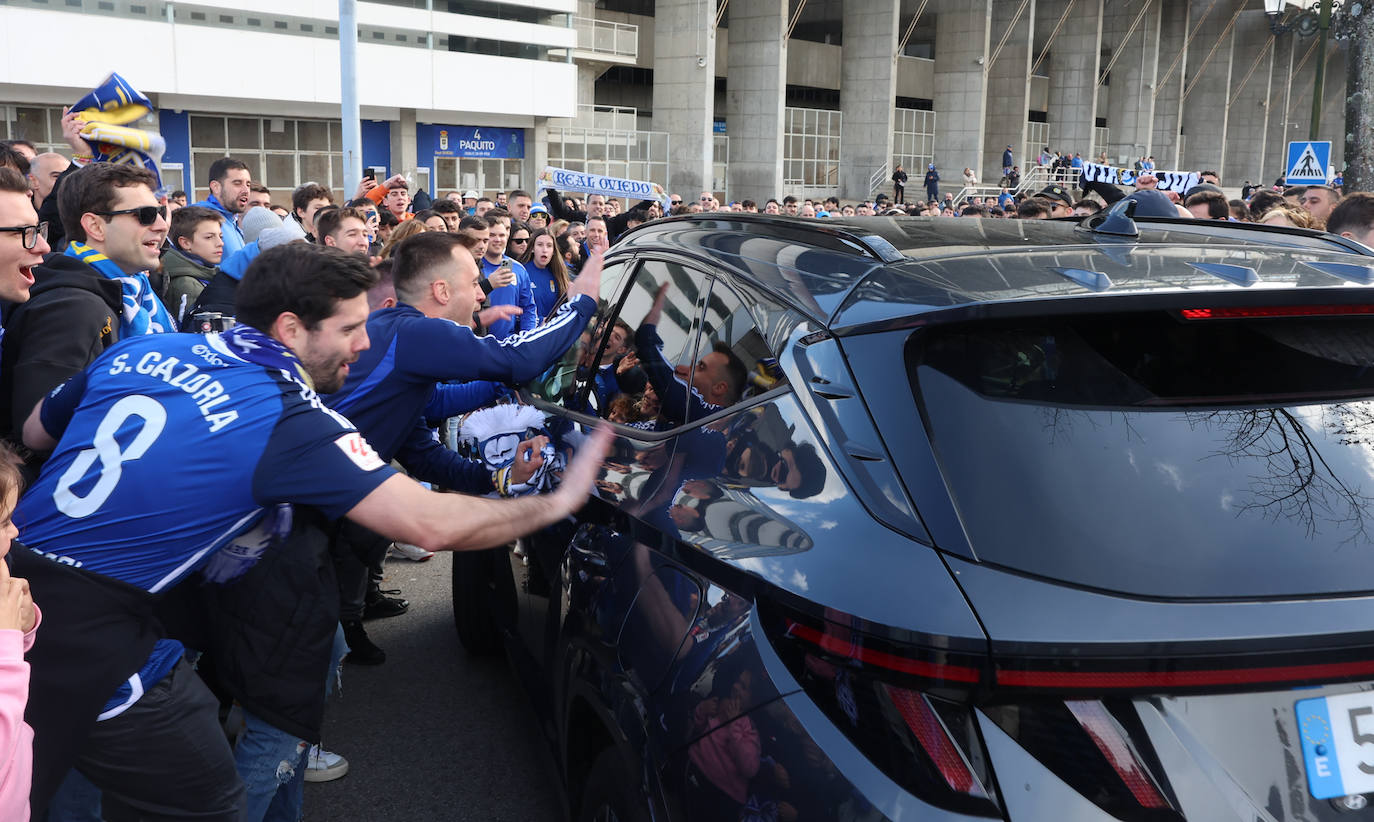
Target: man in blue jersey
x: 155, y: 427
x: 519, y: 293
x: 425, y: 339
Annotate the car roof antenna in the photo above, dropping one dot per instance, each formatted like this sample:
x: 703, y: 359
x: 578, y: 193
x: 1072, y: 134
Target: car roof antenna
x: 1116, y: 220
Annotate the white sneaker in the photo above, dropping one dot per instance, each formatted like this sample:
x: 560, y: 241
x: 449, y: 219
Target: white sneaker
x: 405, y: 550
x: 324, y: 766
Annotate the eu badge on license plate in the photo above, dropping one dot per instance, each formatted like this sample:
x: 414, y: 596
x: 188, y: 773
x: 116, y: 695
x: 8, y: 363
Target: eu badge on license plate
x: 1338, y: 743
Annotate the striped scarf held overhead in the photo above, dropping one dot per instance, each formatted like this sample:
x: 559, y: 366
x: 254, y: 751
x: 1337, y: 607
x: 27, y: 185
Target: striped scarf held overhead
x: 143, y: 312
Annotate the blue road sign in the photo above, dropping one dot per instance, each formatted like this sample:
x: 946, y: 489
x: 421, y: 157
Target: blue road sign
x: 1307, y: 162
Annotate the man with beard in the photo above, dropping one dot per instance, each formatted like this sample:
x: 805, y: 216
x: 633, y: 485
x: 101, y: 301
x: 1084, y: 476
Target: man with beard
x: 230, y: 187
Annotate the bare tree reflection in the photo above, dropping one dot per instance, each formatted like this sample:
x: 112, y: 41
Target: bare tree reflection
x: 1295, y: 481
x: 1292, y: 479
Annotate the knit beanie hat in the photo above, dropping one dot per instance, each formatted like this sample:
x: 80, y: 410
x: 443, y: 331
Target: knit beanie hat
x: 256, y: 221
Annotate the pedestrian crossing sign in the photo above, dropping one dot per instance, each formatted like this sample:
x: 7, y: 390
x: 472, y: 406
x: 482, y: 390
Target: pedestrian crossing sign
x: 1307, y: 162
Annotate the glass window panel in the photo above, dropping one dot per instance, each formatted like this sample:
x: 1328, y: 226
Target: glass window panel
x: 279, y: 133
x: 314, y: 169
x: 254, y: 163
x: 29, y: 124
x: 207, y: 132
x: 281, y: 171
x: 54, y: 125
x: 313, y: 135
x: 596, y: 149
x: 336, y: 136
x: 445, y: 172
x: 491, y: 176
x: 203, y: 161
x: 573, y: 150
x: 243, y: 133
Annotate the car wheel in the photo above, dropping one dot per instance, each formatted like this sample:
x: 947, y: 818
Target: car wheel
x: 610, y: 794
x: 474, y: 613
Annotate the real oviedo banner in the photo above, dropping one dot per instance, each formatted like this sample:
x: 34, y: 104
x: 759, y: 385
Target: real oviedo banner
x: 565, y: 180
x: 479, y: 141
x: 1179, y: 181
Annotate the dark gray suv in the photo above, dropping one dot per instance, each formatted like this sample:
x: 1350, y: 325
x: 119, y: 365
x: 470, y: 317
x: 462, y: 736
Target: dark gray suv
x: 957, y: 519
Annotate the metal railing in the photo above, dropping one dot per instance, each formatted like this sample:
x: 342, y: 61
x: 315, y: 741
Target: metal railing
x: 1036, y: 178
x: 878, y: 178
x: 607, y: 118
x: 607, y: 37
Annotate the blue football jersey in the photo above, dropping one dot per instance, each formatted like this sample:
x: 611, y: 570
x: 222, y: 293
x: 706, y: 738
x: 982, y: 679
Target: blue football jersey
x: 172, y: 448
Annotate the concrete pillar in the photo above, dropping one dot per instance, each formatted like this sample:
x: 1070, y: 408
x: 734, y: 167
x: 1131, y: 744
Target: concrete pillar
x: 868, y: 92
x: 1131, y: 106
x: 962, y: 29
x: 1073, y: 65
x: 536, y: 152
x: 1246, y: 118
x: 1204, y: 108
x: 1008, y: 86
x: 586, y: 84
x: 684, y: 89
x: 1277, y: 134
x: 404, y: 150
x: 755, y: 96
x: 1291, y: 99
x: 1170, y: 77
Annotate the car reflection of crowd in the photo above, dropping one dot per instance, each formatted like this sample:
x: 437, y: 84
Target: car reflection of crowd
x: 674, y: 484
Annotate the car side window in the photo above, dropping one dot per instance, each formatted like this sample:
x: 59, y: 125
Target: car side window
x: 649, y: 347
x: 734, y: 362
x: 564, y: 382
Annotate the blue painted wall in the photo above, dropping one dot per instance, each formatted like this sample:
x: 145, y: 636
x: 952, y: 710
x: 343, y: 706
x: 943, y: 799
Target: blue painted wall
x: 176, y: 130
x: 376, y: 144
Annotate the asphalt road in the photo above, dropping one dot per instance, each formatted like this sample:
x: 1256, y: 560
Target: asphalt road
x: 432, y: 734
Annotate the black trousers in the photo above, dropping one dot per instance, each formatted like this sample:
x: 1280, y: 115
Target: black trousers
x: 356, y: 551
x: 166, y: 757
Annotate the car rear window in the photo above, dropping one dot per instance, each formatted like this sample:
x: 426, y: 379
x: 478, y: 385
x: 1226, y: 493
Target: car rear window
x: 1156, y: 455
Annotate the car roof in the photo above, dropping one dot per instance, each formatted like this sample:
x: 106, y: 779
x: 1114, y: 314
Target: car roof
x: 850, y: 272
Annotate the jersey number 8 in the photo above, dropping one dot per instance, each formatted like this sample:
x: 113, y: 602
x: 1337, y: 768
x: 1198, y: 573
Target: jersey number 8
x: 106, y: 448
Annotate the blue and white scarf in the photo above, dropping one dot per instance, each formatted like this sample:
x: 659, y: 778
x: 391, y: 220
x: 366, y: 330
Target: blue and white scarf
x: 108, y: 110
x: 244, y: 550
x: 143, y: 312
x: 248, y: 343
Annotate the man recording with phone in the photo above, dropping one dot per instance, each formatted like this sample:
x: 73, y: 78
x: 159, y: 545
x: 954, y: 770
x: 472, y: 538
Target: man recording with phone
x: 510, y: 283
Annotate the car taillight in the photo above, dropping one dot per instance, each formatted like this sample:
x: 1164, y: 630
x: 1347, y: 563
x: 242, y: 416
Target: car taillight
x: 908, y: 709
x: 911, y: 710
x: 1115, y: 745
x: 1268, y: 311
x: 1097, y: 747
x: 935, y: 741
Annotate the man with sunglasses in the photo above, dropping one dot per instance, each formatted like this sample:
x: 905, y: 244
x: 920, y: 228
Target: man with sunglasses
x: 96, y: 293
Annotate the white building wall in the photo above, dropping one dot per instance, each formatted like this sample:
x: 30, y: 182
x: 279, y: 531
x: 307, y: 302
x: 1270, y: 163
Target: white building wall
x: 189, y: 61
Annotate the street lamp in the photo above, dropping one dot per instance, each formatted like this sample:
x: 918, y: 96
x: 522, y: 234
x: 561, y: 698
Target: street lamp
x: 1274, y: 9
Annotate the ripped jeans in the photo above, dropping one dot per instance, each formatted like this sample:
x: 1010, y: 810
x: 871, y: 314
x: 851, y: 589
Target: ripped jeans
x: 272, y: 762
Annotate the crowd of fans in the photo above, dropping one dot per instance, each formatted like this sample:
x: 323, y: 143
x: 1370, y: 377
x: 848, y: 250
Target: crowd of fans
x: 322, y: 324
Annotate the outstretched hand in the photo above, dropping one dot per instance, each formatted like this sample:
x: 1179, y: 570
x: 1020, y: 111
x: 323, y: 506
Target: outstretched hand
x: 581, y: 474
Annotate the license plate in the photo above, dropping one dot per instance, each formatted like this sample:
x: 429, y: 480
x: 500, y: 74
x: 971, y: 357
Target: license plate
x: 1338, y: 743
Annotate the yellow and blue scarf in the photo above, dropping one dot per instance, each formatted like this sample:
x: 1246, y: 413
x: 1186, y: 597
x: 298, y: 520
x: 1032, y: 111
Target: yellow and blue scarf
x: 107, y: 111
x: 143, y: 312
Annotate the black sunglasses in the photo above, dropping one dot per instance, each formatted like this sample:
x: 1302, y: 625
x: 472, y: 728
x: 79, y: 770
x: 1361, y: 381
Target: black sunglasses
x: 520, y: 239
x: 29, y: 234
x: 146, y: 215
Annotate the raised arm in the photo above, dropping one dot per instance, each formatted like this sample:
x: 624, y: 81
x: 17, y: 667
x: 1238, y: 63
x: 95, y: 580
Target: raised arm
x: 401, y: 510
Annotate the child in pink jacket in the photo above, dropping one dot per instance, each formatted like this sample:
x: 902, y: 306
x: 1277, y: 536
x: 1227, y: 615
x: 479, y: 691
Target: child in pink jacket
x: 18, y: 623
